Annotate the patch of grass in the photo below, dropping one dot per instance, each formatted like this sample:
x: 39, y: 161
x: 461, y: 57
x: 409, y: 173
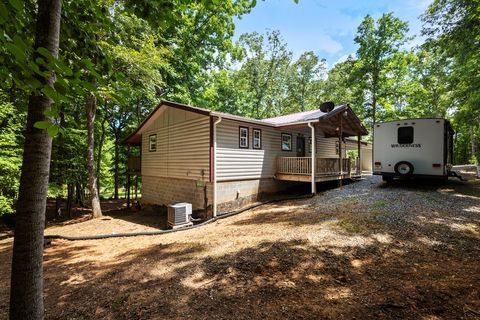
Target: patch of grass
x: 378, y: 209
x: 355, y: 222
x: 379, y: 205
x: 352, y: 226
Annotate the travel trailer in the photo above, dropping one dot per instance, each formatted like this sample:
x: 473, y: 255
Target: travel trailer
x: 413, y: 148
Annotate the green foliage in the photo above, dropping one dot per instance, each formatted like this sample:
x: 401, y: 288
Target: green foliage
x: 10, y: 153
x: 6, y: 206
x: 453, y: 31
x: 120, y: 50
x: 268, y: 82
x: 264, y: 65
x: 378, y: 63
x: 352, y: 154
x: 473, y: 160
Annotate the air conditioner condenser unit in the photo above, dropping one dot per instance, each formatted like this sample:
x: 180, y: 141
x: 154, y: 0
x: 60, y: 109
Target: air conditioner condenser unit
x: 179, y: 215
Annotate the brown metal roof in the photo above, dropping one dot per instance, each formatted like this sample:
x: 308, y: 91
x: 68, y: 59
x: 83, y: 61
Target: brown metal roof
x: 300, y: 116
x: 328, y: 122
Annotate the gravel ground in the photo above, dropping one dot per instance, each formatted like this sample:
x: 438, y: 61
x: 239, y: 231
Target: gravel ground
x: 367, y: 250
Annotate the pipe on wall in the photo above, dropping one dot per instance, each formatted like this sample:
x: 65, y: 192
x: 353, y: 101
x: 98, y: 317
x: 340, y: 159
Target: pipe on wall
x: 313, y: 155
x: 215, y: 165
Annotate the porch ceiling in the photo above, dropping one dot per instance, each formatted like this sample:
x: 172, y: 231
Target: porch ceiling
x: 330, y: 123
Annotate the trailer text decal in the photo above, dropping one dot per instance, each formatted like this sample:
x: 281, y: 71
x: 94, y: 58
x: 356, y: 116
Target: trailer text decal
x: 411, y: 145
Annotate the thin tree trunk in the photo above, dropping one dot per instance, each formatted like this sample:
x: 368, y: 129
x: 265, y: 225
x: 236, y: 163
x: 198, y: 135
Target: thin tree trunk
x: 60, y: 167
x: 70, y: 191
x: 374, y: 103
x: 79, y: 195
x: 116, y: 165
x: 100, y: 148
x: 26, y: 290
x: 472, y: 141
x: 91, y: 107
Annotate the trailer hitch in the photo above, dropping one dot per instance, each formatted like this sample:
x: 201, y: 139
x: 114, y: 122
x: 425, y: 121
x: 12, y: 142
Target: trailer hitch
x: 456, y: 175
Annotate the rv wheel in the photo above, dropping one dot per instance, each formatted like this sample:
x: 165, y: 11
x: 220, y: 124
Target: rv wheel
x: 404, y: 168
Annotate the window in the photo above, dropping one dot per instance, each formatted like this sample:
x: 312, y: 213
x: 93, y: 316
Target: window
x: 405, y: 135
x: 337, y: 147
x: 286, y: 142
x: 310, y: 145
x: 152, y: 142
x: 257, y: 139
x: 243, y: 137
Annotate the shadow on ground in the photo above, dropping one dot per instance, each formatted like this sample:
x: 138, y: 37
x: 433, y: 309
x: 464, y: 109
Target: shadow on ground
x: 291, y: 279
x: 373, y: 254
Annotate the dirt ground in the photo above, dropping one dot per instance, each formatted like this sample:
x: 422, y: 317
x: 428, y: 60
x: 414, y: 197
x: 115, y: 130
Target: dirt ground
x: 368, y: 250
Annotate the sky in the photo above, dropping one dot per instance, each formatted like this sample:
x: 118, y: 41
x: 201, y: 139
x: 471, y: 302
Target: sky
x: 326, y: 27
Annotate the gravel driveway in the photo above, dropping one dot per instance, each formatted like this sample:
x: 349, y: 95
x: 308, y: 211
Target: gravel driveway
x: 367, y: 250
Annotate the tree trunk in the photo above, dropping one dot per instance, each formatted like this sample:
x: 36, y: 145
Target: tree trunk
x: 100, y: 148
x: 70, y: 190
x: 91, y: 107
x: 375, y: 77
x: 116, y: 165
x: 79, y: 195
x: 26, y: 290
x: 60, y: 167
x: 472, y: 142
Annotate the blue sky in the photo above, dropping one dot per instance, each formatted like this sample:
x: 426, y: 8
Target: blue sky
x: 326, y: 27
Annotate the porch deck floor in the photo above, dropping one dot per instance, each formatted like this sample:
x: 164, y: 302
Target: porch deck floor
x: 318, y: 178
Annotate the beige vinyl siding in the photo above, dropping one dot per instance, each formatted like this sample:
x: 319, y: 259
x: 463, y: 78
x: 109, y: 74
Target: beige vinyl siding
x: 183, y: 146
x: 326, y: 147
x: 234, y: 163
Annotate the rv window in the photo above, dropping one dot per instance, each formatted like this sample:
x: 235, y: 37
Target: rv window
x: 405, y: 135
x: 152, y: 142
x: 243, y: 137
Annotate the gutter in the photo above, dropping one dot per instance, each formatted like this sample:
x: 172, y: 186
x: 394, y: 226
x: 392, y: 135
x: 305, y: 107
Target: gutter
x: 313, y: 156
x: 215, y: 165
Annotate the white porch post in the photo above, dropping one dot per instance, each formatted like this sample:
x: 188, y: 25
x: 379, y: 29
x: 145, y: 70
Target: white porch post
x: 313, y: 155
x: 340, y: 155
x: 359, y: 155
x: 215, y: 165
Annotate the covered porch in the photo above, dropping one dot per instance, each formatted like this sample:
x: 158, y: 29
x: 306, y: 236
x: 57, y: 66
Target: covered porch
x: 326, y: 169
x: 336, y: 125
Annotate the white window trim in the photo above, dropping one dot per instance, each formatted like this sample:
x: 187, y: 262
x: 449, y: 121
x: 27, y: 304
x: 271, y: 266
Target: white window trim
x: 242, y: 139
x: 150, y: 144
x: 291, y: 141
x: 259, y: 131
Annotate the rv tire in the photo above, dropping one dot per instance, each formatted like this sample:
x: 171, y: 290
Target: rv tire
x: 402, y: 164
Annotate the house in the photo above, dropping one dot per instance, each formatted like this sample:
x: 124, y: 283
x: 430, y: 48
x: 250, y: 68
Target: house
x: 220, y: 161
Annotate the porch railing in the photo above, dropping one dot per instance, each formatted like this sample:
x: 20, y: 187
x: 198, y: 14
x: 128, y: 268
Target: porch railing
x: 324, y: 166
x: 294, y: 165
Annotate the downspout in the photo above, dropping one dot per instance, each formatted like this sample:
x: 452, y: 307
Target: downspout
x: 215, y: 165
x: 313, y: 155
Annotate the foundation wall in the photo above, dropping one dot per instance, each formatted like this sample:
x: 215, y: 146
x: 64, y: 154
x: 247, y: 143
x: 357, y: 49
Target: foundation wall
x: 165, y: 190
x: 236, y: 194
x: 231, y: 194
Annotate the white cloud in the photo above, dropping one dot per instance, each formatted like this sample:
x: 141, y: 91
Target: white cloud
x: 344, y: 58
x: 419, y: 5
x: 328, y: 45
